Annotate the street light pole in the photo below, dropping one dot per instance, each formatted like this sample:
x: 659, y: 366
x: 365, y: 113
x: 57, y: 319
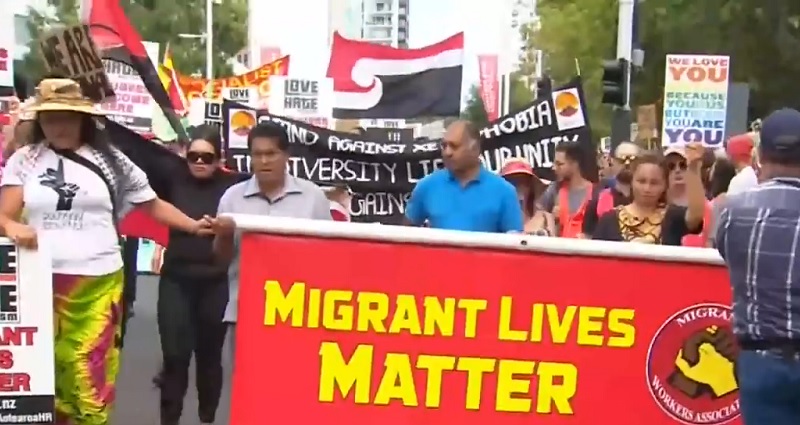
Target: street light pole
x: 209, y: 39
x: 622, y: 117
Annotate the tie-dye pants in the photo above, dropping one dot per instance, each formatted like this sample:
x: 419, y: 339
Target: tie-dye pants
x: 87, y: 318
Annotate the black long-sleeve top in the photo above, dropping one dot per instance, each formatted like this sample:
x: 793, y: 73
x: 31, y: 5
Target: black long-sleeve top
x: 190, y: 256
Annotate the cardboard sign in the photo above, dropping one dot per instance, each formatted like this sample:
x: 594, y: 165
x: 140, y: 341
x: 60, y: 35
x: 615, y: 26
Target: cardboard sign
x: 382, y: 331
x: 72, y: 53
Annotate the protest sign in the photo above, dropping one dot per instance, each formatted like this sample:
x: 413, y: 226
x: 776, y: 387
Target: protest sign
x: 72, y: 53
x: 194, y: 88
x: 398, y: 325
x: 132, y: 105
x: 302, y: 99
x: 382, y: 173
x: 7, y: 45
x: 27, y: 371
x: 695, y: 100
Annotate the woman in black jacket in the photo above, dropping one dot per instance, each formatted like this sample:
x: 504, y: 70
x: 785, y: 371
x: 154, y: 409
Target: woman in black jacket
x: 193, y: 290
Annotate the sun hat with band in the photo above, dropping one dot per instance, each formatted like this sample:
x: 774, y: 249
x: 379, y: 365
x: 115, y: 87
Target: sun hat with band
x: 521, y: 167
x: 62, y: 95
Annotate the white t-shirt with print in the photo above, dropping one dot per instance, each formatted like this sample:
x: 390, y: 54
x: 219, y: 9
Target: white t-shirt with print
x: 743, y: 181
x: 70, y: 207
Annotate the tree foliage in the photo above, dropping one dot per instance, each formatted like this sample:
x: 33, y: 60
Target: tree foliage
x: 762, y: 38
x: 161, y: 22
x: 474, y: 110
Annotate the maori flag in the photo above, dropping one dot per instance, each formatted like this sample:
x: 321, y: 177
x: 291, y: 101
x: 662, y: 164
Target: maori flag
x: 119, y: 41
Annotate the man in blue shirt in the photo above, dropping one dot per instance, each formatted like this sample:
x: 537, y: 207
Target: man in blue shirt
x: 465, y: 195
x: 759, y: 238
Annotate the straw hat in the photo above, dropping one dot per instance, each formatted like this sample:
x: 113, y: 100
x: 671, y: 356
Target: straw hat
x: 62, y: 94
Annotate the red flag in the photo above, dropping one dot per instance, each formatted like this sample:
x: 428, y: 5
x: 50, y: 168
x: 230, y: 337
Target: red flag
x: 489, y: 88
x: 118, y: 40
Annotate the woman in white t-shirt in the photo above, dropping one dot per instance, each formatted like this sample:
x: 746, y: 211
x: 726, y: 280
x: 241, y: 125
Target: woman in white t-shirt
x: 64, y: 178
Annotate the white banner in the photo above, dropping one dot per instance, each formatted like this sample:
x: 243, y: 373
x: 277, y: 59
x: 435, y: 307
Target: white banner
x: 309, y: 100
x: 132, y: 105
x: 27, y: 370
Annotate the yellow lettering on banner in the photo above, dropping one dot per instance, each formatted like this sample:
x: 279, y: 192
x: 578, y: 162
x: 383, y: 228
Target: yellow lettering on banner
x: 406, y: 316
x: 287, y: 306
x: 505, y: 333
x: 475, y: 368
x: 373, y: 308
x: 337, y: 314
x: 508, y: 386
x: 335, y: 372
x: 590, y: 326
x: 471, y: 309
x: 439, y: 316
x: 314, y: 296
x: 560, y: 326
x: 620, y: 325
x: 397, y: 382
x: 521, y: 384
x: 550, y: 394
x: 435, y: 365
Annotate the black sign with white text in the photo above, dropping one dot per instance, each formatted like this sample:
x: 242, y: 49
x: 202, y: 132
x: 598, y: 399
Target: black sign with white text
x: 382, y: 173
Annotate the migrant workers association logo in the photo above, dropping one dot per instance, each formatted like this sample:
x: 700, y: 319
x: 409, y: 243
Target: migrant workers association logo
x: 242, y: 122
x: 690, y: 366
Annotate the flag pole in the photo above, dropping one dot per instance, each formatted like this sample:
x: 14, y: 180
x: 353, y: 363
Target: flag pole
x: 209, y: 47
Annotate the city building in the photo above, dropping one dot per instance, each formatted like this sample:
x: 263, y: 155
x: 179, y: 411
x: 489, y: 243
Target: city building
x: 385, y: 22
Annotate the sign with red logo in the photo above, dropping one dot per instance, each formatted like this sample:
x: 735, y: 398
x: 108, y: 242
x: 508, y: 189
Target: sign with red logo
x: 489, y: 88
x: 397, y: 333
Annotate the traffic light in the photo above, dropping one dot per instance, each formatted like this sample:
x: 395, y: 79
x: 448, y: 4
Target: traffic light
x: 544, y: 86
x: 616, y: 82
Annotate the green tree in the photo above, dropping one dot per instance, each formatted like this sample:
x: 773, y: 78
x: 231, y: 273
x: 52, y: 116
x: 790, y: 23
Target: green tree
x: 762, y: 39
x: 474, y: 110
x: 161, y: 22
x: 575, y: 37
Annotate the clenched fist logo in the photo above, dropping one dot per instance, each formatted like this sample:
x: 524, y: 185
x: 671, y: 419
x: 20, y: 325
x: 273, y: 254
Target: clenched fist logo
x: 705, y: 364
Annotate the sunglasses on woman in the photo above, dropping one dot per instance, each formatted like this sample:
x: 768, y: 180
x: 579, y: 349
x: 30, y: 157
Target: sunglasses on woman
x: 205, y: 158
x: 678, y: 164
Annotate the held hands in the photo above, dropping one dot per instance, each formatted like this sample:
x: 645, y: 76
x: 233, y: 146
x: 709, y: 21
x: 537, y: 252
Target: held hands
x: 202, y: 227
x: 22, y: 235
x: 221, y: 226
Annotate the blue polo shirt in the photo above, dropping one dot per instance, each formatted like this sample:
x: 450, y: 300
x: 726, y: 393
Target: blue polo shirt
x: 487, y: 204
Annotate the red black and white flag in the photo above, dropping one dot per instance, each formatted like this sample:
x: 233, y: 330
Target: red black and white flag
x: 383, y: 82
x: 119, y: 41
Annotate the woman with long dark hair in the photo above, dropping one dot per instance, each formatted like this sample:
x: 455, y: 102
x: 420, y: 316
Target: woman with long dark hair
x: 649, y: 218
x: 74, y: 187
x: 193, y: 291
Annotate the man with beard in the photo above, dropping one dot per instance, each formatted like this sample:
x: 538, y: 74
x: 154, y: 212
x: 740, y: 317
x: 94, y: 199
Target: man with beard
x: 464, y: 195
x: 619, y: 193
x: 568, y: 199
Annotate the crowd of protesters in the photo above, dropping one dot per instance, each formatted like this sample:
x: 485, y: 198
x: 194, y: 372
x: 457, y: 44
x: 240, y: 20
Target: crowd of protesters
x: 65, y: 184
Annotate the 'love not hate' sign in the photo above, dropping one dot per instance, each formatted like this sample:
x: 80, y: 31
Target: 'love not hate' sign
x: 695, y: 99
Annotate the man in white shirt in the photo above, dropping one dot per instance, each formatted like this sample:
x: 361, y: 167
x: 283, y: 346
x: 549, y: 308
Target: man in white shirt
x: 740, y: 153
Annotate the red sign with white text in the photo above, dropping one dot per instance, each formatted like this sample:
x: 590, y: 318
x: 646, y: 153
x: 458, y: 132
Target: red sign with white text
x: 489, y: 88
x: 400, y: 334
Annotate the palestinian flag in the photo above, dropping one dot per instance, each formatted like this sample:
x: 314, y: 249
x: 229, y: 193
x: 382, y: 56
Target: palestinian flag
x: 119, y: 41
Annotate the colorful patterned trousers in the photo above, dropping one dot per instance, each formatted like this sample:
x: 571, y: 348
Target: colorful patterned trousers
x: 87, y: 318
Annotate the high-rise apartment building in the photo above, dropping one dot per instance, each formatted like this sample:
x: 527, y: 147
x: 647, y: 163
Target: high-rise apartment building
x: 385, y: 22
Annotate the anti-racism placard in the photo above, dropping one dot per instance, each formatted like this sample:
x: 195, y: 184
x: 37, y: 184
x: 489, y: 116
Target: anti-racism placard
x: 302, y: 99
x: 259, y: 78
x: 695, y: 100
x: 132, y: 105
x: 401, y: 333
x: 383, y: 173
x: 27, y: 371
x: 71, y: 52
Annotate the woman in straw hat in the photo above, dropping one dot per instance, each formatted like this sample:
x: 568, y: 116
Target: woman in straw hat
x: 74, y: 187
x: 529, y: 187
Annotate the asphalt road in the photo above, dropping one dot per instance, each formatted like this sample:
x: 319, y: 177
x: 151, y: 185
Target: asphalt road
x: 137, y: 399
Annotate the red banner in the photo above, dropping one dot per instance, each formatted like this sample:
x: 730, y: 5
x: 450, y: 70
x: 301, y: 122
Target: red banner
x: 399, y: 333
x: 489, y: 88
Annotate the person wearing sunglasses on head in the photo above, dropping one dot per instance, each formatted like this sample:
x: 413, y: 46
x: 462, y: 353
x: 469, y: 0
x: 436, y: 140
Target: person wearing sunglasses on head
x: 618, y: 192
x: 193, y: 291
